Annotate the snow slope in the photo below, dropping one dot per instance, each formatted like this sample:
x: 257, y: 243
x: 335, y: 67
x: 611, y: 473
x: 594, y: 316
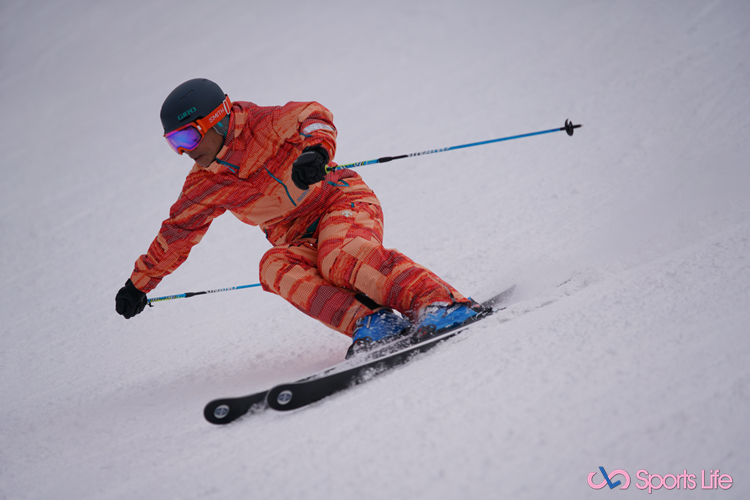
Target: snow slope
x: 627, y: 347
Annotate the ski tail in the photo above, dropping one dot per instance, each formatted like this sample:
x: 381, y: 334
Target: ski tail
x: 223, y: 411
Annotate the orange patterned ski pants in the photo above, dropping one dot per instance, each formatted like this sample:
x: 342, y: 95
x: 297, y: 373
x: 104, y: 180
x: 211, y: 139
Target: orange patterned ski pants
x: 326, y: 275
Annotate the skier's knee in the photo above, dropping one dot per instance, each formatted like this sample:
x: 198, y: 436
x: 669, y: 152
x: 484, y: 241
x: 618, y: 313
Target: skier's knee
x: 326, y: 265
x: 270, y: 265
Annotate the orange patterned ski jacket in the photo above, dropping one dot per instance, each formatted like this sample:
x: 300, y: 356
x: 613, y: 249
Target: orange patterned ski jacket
x: 251, y: 178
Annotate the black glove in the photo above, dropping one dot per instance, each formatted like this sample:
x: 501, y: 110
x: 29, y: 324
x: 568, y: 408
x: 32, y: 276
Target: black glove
x: 310, y: 166
x: 130, y: 301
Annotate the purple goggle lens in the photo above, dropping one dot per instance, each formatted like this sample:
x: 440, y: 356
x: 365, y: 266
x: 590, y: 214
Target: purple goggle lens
x: 185, y: 139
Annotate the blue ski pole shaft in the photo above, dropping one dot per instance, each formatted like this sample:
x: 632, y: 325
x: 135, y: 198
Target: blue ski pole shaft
x: 193, y: 294
x: 569, y: 127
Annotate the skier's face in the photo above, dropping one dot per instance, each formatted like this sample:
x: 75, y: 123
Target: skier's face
x: 206, y: 150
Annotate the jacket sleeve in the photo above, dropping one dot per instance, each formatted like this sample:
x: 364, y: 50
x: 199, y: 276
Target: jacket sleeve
x: 311, y: 122
x: 187, y: 223
x: 317, y: 128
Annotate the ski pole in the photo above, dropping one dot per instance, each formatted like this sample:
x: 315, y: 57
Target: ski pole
x: 193, y: 294
x: 569, y: 128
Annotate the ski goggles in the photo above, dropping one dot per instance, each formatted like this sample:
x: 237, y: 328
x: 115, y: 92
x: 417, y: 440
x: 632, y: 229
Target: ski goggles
x: 187, y: 137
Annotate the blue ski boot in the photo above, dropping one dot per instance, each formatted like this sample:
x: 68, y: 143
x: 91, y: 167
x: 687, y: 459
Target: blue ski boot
x: 434, y: 319
x: 379, y: 327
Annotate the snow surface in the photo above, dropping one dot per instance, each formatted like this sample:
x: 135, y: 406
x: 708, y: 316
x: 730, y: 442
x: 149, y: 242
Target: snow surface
x: 627, y: 346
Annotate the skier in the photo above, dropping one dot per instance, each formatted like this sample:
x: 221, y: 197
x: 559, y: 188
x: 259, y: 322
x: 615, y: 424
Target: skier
x: 267, y: 166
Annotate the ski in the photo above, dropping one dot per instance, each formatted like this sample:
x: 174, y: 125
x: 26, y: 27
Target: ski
x: 290, y: 396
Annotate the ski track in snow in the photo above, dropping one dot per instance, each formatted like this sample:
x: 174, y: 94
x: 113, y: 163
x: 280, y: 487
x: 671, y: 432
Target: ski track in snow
x: 626, y: 344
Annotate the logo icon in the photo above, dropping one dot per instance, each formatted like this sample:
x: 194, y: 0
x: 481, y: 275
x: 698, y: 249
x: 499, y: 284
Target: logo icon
x: 187, y: 113
x: 608, y: 479
x: 284, y: 397
x: 221, y: 411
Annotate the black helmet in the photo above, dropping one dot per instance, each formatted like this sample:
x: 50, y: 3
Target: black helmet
x: 190, y: 101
